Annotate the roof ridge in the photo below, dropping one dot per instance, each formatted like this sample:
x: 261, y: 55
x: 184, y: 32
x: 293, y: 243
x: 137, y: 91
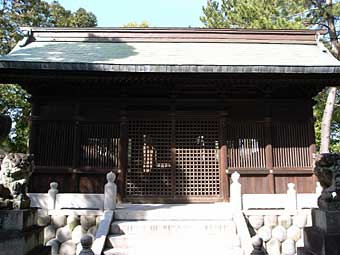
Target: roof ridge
x: 174, y: 29
x: 172, y: 35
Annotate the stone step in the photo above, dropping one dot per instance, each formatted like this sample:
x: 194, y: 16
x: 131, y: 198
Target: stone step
x: 170, y: 229
x: 224, y: 242
x: 187, y: 226
x: 213, y: 251
x: 117, y: 251
x: 218, y: 211
x: 179, y: 245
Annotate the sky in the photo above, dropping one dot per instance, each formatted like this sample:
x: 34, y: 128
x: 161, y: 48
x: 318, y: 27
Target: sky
x: 158, y: 13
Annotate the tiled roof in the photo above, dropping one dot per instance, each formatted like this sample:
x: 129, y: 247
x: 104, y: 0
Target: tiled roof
x: 174, y: 56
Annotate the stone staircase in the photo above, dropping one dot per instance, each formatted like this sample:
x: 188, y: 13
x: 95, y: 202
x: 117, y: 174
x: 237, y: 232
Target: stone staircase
x: 173, y: 229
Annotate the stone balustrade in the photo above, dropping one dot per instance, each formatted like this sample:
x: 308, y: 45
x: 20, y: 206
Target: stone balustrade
x: 291, y: 202
x: 54, y: 201
x: 276, y: 220
x: 71, y: 219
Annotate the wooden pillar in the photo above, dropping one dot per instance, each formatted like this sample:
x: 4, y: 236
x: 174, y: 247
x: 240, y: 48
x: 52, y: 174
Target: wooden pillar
x: 173, y: 153
x: 269, y: 153
x: 123, y: 156
x: 33, y: 128
x: 311, y: 138
x: 76, y: 139
x: 312, y: 148
x: 32, y: 140
x: 173, y: 143
x: 76, y: 152
x: 223, y: 157
x: 74, y: 182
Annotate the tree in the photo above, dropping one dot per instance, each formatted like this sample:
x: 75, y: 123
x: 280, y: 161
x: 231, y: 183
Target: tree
x: 324, y: 14
x: 60, y: 17
x: 37, y: 13
x: 14, y: 100
x: 81, y: 18
x: 258, y: 14
x: 319, y: 108
x: 135, y: 24
x: 273, y: 14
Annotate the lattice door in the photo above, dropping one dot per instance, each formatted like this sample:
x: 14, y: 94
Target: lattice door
x: 99, y: 145
x: 197, y: 167
x: 149, y: 158
x: 151, y: 171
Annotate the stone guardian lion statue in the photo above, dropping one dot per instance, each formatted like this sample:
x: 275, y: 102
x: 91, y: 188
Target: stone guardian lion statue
x: 16, y: 168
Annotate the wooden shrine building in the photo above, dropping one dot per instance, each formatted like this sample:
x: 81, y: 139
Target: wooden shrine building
x: 172, y: 111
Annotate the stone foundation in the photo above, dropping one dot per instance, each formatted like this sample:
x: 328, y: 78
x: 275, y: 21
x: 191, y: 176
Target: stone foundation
x: 63, y: 232
x: 282, y: 233
x: 19, y: 234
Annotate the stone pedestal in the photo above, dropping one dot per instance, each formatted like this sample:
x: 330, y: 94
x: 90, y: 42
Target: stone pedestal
x: 326, y: 221
x: 19, y: 234
x: 324, y: 237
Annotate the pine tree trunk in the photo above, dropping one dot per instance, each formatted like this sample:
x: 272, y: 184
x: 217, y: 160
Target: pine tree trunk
x: 326, y: 120
x: 332, y: 31
x: 327, y: 114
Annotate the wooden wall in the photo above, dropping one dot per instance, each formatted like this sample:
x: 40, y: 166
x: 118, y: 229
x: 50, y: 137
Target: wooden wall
x: 80, y: 135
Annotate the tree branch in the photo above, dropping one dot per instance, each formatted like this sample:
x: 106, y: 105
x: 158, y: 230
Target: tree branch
x: 319, y: 5
x: 320, y: 24
x: 316, y: 3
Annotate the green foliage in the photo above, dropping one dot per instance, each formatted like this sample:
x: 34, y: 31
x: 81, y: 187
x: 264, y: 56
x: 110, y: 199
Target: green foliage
x: 320, y: 14
x: 335, y: 124
x: 135, y: 24
x: 336, y: 9
x: 22, y: 13
x: 37, y: 13
x: 14, y: 101
x: 280, y: 14
x: 81, y: 18
x: 256, y: 14
x: 60, y: 17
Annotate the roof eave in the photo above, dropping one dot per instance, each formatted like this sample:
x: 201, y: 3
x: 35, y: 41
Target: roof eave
x: 185, y: 68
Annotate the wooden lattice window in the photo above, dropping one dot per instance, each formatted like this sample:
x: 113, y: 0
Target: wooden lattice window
x: 149, y: 158
x: 54, y: 145
x: 99, y: 145
x: 197, y: 165
x: 291, y: 143
x: 246, y: 145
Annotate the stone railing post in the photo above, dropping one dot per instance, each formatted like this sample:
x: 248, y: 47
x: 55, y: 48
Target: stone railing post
x: 235, y: 192
x: 257, y: 243
x: 291, y: 203
x: 86, y: 243
x: 52, y: 195
x: 110, y: 192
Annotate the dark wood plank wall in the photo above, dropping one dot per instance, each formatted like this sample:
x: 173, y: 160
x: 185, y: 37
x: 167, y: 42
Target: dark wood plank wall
x: 73, y: 150
x: 273, y: 133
